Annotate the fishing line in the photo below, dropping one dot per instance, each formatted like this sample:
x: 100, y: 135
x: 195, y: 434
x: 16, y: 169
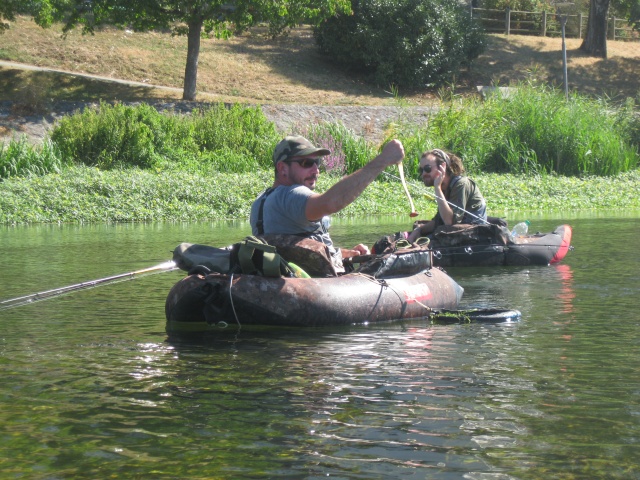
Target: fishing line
x: 233, y: 307
x: 56, y: 292
x: 436, y: 197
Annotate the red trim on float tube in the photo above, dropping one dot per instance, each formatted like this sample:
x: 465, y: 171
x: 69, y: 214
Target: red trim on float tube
x: 417, y: 293
x: 564, y: 246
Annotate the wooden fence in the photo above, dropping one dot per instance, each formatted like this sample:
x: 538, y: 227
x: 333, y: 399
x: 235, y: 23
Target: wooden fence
x: 546, y: 24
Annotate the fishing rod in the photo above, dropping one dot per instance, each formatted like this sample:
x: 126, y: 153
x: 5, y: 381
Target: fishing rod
x: 436, y: 197
x: 46, y: 295
x: 406, y: 190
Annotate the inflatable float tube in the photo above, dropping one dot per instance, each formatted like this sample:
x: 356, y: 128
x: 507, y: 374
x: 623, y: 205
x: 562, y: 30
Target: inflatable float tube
x: 201, y: 303
x: 488, y: 246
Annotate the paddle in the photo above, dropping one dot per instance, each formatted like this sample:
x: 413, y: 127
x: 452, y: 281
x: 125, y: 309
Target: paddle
x: 35, y: 297
x: 406, y: 190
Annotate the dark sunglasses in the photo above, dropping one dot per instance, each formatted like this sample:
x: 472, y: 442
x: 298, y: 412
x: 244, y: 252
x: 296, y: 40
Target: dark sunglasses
x: 306, y: 162
x: 426, y: 169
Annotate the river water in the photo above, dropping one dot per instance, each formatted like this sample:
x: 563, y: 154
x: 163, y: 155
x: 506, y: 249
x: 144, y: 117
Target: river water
x: 92, y: 388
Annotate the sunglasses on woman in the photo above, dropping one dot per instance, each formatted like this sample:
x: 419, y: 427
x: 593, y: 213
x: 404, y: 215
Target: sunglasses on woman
x: 306, y: 162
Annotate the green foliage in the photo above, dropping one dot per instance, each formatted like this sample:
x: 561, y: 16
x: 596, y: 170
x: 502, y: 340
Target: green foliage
x: 628, y: 120
x: 524, y: 5
x: 20, y: 158
x: 629, y: 9
x: 218, y: 16
x: 532, y: 130
x: 84, y: 195
x: 237, y: 130
x: 212, y: 163
x: 408, y: 43
x: 217, y: 138
x: 348, y: 152
x: 112, y: 136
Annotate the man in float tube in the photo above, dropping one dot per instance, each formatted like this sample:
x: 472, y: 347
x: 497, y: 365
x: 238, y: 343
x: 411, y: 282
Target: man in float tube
x: 444, y: 172
x: 290, y: 206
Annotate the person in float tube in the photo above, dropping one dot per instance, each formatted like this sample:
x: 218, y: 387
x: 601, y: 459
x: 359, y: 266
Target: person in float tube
x: 444, y: 172
x: 292, y: 207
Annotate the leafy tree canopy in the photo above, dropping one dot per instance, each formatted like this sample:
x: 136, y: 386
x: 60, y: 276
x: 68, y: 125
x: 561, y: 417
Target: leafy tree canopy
x: 221, y: 17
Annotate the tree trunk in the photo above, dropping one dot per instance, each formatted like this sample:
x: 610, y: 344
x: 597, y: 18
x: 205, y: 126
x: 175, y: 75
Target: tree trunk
x: 193, y: 51
x: 595, y: 42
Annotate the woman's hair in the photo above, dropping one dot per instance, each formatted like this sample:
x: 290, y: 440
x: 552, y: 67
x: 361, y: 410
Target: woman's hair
x: 454, y: 163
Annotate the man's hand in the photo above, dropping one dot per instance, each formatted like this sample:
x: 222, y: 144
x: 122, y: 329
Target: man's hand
x: 355, y: 251
x: 439, y: 177
x: 362, y: 249
x: 392, y: 153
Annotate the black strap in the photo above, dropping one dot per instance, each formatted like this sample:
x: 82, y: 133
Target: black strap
x: 260, y: 222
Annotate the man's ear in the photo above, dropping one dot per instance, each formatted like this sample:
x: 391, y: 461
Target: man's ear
x: 280, y: 168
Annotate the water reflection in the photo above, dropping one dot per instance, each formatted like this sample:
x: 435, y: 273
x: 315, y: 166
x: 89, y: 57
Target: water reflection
x: 92, y: 388
x: 394, y: 396
x: 566, y: 293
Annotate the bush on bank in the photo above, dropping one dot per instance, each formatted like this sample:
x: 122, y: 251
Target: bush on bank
x: 20, y: 158
x: 216, y: 138
x: 533, y: 130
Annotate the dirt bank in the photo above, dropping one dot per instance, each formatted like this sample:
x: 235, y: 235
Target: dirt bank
x: 368, y: 122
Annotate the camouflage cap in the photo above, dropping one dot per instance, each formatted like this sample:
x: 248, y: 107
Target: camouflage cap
x: 291, y: 147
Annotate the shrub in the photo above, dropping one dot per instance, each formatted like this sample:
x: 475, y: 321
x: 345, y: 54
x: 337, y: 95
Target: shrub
x: 409, y: 43
x: 238, y: 129
x: 348, y: 152
x: 534, y: 130
x: 112, y: 136
x: 107, y: 137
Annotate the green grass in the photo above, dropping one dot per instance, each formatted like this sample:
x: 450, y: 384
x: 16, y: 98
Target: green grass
x: 88, y: 195
x: 20, y: 158
x: 534, y: 130
x: 127, y: 164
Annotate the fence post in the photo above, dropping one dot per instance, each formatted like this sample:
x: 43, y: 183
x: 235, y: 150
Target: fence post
x: 471, y: 10
x: 544, y: 23
x: 580, y: 26
x: 508, y: 20
x: 613, y: 28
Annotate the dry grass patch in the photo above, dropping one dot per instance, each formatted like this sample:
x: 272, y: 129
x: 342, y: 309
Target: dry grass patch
x: 513, y: 58
x: 252, y: 68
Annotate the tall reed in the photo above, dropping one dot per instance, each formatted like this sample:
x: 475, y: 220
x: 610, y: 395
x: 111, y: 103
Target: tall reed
x: 19, y: 158
x: 532, y: 130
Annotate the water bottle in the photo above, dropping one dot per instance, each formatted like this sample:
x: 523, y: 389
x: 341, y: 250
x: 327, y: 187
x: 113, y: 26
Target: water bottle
x: 520, y: 229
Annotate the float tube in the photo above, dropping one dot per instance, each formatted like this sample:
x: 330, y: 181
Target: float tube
x: 491, y: 245
x: 396, y: 286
